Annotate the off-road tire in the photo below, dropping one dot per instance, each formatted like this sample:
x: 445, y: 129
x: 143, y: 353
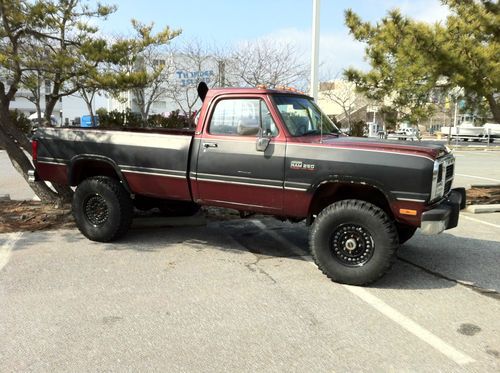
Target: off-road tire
x: 115, y: 209
x: 405, y: 232
x: 374, y: 232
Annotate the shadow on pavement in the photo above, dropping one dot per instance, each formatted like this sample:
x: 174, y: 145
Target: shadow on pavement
x: 444, y: 257
x: 459, y: 258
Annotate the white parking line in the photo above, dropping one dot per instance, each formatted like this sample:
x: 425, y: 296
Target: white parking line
x: 479, y: 221
x: 7, y: 246
x: 478, y: 177
x: 386, y: 310
x: 411, y: 326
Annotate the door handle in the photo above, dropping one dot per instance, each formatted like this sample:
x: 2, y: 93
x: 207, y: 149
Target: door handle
x: 209, y: 145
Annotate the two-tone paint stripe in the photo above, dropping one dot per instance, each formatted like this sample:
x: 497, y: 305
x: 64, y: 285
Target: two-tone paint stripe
x: 177, y: 174
x: 249, y: 181
x: 49, y: 160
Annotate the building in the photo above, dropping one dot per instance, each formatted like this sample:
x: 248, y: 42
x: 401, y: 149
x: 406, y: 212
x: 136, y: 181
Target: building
x: 67, y: 109
x: 178, y: 85
x: 340, y: 101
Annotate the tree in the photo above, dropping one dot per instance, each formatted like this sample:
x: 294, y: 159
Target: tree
x: 268, y: 63
x: 73, y: 54
x: 18, y: 23
x: 147, y: 67
x: 409, y: 58
x: 471, y: 50
x: 343, y: 94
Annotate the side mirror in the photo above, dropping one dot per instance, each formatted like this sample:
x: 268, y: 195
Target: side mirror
x: 262, y: 143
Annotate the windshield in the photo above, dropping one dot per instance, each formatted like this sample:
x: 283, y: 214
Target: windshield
x: 302, y: 117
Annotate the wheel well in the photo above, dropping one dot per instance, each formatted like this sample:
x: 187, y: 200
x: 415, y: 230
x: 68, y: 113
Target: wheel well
x: 86, y: 168
x: 332, y: 192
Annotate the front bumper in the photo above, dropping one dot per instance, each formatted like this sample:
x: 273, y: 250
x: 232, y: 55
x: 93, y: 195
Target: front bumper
x: 445, y: 215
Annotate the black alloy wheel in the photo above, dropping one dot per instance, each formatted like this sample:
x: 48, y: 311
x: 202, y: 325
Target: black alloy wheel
x: 352, y: 245
x: 96, y: 210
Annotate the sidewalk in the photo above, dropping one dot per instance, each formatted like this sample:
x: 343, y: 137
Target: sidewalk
x: 11, y: 183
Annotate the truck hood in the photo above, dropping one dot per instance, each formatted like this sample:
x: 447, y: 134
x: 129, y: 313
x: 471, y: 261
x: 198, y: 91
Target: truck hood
x: 423, y: 148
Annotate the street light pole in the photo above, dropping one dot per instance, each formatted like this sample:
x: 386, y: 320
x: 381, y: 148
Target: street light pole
x: 315, y: 50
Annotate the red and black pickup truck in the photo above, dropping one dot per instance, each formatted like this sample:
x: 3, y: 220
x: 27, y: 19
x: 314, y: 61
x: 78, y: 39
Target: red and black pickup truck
x: 268, y: 151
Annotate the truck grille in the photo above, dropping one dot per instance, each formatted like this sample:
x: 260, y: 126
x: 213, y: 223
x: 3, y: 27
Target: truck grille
x: 449, y: 173
x: 444, y: 171
x: 447, y: 186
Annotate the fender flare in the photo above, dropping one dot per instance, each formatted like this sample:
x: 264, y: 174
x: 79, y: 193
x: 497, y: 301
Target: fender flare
x: 99, y: 158
x: 350, y: 180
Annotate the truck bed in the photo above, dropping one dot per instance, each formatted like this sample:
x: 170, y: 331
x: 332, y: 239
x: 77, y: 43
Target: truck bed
x: 154, y: 162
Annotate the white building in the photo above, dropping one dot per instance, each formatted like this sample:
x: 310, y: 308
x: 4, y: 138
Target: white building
x: 179, y: 87
x: 66, y: 110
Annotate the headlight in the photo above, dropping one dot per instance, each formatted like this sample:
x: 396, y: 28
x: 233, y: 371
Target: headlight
x: 437, y: 181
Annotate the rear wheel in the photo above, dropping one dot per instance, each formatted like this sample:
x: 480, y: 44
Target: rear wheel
x: 102, y: 209
x: 353, y: 242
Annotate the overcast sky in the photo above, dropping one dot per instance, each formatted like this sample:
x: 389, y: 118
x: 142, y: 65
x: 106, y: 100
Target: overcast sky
x: 228, y: 22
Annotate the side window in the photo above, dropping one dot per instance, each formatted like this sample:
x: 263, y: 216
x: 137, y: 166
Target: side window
x: 241, y: 117
x: 268, y: 125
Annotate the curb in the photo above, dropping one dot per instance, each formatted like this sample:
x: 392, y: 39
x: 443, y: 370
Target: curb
x: 480, y: 209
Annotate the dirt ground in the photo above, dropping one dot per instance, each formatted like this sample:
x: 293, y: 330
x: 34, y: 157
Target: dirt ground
x: 32, y: 216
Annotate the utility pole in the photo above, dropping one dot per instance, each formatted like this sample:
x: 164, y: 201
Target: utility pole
x: 315, y: 50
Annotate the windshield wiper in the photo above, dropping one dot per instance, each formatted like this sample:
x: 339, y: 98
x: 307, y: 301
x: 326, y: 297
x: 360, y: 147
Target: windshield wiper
x: 318, y: 132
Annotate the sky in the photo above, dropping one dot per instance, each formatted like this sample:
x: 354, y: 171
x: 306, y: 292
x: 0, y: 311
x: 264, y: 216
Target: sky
x: 226, y: 23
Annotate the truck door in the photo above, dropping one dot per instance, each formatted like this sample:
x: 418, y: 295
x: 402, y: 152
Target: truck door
x: 231, y: 170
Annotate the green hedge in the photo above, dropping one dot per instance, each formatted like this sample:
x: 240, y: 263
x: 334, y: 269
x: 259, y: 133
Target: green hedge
x: 117, y: 119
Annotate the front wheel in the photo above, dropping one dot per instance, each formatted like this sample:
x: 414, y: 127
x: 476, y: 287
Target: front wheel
x: 102, y: 209
x: 353, y: 242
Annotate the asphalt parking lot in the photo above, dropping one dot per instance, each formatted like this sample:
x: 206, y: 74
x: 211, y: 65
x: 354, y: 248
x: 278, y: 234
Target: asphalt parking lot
x: 244, y: 295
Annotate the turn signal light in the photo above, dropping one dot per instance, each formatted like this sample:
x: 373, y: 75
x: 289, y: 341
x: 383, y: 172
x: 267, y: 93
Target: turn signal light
x: 408, y: 212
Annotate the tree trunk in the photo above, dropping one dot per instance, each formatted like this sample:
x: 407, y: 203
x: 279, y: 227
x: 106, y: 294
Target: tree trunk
x: 494, y: 106
x: 91, y: 113
x: 12, y: 132
x: 144, y: 117
x: 49, y: 108
x: 14, y: 142
x: 22, y: 164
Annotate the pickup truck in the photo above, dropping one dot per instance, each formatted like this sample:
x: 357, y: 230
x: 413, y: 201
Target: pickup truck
x: 270, y: 151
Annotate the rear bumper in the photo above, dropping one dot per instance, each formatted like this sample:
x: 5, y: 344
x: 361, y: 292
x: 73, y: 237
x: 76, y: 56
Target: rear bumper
x: 445, y: 215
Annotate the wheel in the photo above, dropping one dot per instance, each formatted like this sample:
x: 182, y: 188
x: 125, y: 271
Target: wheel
x: 178, y: 208
x: 405, y: 232
x: 353, y: 242
x: 102, y: 209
